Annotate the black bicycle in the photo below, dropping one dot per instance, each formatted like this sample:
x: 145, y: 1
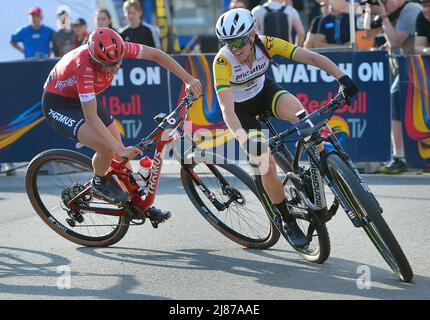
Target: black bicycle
x: 305, y: 189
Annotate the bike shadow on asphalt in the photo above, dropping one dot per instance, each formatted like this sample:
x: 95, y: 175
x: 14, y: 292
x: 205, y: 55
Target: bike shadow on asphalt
x: 336, y: 276
x: 35, y: 274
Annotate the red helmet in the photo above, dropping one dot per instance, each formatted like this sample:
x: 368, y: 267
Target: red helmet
x: 105, y: 46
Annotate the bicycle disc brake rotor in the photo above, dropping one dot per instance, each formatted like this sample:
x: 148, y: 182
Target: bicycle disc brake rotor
x: 234, y: 195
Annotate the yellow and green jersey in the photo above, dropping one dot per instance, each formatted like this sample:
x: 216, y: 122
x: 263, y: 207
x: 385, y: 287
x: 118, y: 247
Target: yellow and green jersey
x: 246, y: 83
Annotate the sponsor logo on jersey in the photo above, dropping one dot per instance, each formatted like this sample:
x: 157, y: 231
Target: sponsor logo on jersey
x: 62, y: 84
x: 269, y: 42
x: 85, y: 97
x: 221, y: 61
x: 258, y: 69
x: 66, y: 120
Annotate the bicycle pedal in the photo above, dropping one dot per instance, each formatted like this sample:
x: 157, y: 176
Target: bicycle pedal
x: 154, y: 224
x: 138, y: 221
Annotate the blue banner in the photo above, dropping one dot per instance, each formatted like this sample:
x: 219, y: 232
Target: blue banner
x: 363, y: 128
x: 137, y: 94
x: 415, y: 106
x: 141, y: 90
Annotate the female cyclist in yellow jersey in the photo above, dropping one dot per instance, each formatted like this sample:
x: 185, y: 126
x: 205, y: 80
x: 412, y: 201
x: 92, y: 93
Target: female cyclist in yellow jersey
x: 244, y: 92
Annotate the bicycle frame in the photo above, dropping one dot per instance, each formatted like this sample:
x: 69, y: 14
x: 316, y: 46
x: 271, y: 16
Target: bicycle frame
x: 157, y: 140
x: 309, y: 128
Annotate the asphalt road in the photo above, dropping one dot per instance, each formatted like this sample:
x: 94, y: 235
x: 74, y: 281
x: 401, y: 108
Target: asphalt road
x: 185, y: 258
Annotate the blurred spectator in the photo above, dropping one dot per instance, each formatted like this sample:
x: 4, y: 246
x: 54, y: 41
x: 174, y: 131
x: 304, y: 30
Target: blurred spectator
x: 239, y: 4
x: 334, y: 29
x: 81, y: 32
x: 253, y: 3
x: 398, y: 20
x: 103, y: 19
x: 315, y: 26
x: 422, y: 39
x: 138, y: 31
x: 36, y: 37
x: 342, y: 6
x: 62, y: 40
x: 264, y: 13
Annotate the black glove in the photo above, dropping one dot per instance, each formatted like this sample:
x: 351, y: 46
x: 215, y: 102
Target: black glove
x: 348, y: 86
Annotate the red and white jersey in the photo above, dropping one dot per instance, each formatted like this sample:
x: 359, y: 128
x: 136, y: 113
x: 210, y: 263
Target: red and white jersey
x: 77, y: 76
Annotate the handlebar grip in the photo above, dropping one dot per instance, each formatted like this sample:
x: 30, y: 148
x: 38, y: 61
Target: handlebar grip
x: 346, y: 97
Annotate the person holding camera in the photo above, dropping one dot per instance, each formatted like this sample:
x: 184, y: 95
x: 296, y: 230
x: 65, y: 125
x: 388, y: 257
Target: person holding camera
x: 396, y: 18
x: 422, y: 38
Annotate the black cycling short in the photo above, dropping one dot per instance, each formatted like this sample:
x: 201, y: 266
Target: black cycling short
x: 265, y: 100
x: 66, y: 114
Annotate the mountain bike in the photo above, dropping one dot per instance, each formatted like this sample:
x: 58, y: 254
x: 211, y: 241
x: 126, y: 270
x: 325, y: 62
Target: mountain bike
x: 304, y: 186
x: 58, y: 184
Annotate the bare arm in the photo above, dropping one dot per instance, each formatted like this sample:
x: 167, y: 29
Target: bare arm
x: 300, y: 32
x: 226, y: 101
x: 17, y: 46
x: 310, y: 40
x: 170, y: 64
x: 394, y: 38
x: 421, y: 46
x: 318, y: 60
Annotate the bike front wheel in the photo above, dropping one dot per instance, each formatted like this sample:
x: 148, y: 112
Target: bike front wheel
x: 244, y: 221
x: 58, y: 174
x: 367, y: 210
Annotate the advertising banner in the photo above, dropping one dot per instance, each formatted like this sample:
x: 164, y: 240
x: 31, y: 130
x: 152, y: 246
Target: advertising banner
x: 363, y: 127
x: 142, y: 89
x: 415, y: 103
x: 138, y: 93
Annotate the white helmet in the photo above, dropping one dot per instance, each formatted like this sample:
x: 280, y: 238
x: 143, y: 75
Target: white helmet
x: 235, y: 23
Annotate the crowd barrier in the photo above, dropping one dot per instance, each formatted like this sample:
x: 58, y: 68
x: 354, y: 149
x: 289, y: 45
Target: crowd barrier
x: 142, y: 89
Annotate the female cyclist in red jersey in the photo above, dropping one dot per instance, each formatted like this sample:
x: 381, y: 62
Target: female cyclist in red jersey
x: 71, y: 106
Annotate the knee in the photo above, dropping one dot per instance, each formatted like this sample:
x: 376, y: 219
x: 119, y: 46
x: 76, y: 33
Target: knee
x: 105, y: 152
x: 271, y: 167
x: 267, y: 166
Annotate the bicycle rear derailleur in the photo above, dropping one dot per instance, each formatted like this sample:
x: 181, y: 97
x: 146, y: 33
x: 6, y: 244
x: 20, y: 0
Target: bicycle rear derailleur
x: 68, y: 195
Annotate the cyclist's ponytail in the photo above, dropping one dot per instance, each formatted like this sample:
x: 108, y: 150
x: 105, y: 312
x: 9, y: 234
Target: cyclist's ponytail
x: 261, y: 45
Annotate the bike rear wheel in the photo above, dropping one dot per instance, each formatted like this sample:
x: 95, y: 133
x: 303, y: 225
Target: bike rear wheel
x: 246, y: 224
x: 367, y: 209
x: 53, y: 175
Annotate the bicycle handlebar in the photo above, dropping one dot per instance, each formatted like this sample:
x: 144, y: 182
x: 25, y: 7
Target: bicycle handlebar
x: 315, y: 120
x: 145, y: 143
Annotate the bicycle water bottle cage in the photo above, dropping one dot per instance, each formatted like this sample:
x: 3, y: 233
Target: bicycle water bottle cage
x: 160, y: 117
